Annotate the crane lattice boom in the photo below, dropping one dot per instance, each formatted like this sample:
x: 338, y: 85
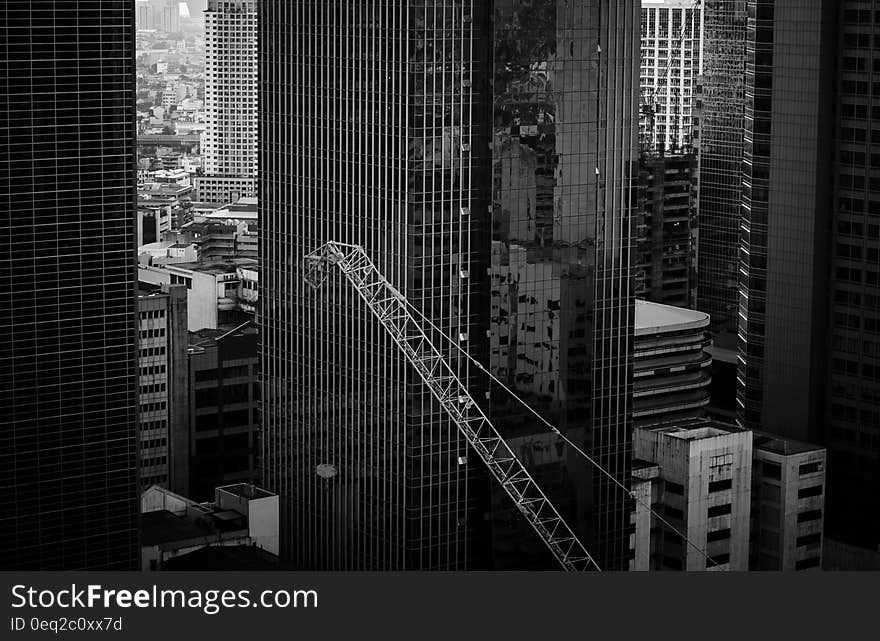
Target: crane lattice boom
x: 391, y: 309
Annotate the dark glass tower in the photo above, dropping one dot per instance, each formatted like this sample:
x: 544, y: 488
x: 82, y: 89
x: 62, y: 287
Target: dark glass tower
x: 853, y: 401
x: 68, y: 432
x: 720, y: 164
x: 486, y: 163
x: 786, y: 190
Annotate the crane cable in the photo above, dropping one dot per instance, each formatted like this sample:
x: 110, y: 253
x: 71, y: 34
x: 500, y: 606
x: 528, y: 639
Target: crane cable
x: 556, y: 431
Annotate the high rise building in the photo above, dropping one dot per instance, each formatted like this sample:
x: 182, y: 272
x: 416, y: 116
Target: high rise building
x: 721, y: 107
x: 697, y: 476
x: 853, y: 391
x: 786, y: 190
x: 667, y: 229
x: 671, y: 39
x: 808, y: 306
x: 163, y: 387
x: 229, y: 143
x: 68, y: 362
x: 487, y: 164
x: 671, y: 44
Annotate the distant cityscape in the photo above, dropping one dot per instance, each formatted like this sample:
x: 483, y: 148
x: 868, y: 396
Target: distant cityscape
x: 598, y: 286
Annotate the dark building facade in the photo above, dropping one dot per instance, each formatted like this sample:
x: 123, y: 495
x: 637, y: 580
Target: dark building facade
x: 667, y: 229
x: 223, y: 408
x: 68, y: 368
x: 853, y: 392
x: 786, y: 191
x: 484, y: 157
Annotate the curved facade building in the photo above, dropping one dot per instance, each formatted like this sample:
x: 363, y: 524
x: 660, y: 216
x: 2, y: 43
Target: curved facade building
x: 672, y: 366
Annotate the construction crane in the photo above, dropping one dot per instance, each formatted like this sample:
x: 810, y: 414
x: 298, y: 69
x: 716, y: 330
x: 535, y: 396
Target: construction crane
x: 392, y: 310
x: 649, y: 99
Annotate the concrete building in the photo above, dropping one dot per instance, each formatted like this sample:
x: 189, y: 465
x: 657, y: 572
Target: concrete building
x: 672, y: 365
x: 224, y: 399
x: 214, y: 289
x: 666, y: 235
x: 241, y: 515
x: 163, y: 388
x: 218, y: 241
x: 765, y: 496
x: 698, y: 476
x: 167, y: 252
x: 229, y: 142
x: 788, y: 504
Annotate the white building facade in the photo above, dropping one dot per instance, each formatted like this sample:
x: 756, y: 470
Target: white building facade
x: 229, y: 142
x: 671, y: 61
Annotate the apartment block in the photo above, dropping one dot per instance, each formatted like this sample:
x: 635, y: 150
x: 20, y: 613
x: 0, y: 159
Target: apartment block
x: 163, y: 387
x: 788, y: 504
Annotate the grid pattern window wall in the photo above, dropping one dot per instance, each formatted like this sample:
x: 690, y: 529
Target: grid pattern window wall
x: 785, y: 196
x: 720, y: 163
x: 853, y: 436
x: 671, y: 42
x: 372, y: 132
x: 388, y: 138
x: 561, y: 324
x: 68, y: 368
x: 230, y: 146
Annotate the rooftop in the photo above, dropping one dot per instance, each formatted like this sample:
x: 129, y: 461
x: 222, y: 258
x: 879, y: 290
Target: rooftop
x: 207, y: 336
x: 224, y: 557
x: 780, y: 445
x: 162, y: 526
x: 217, y: 267
x: 695, y: 429
x: 654, y: 318
x: 246, y: 490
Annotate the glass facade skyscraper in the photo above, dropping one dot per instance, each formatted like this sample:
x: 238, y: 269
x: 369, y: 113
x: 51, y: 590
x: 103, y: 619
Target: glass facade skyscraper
x: 783, y: 260
x: 484, y: 155
x: 68, y: 377
x: 720, y: 164
x: 853, y: 397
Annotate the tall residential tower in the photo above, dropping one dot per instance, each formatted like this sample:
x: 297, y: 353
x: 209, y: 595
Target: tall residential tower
x: 229, y: 144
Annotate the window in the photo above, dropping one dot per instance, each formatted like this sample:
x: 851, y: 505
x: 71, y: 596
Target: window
x: 772, y: 470
x: 812, y: 562
x: 719, y: 510
x: 674, y: 488
x: 718, y: 559
x: 811, y: 515
x: 810, y: 468
x: 809, y: 539
x: 806, y: 492
x: 206, y: 375
x: 674, y: 512
x: 718, y: 535
x: 720, y: 486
